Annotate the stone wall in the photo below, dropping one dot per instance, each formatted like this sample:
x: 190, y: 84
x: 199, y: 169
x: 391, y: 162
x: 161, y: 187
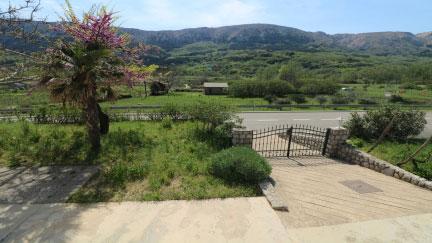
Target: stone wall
x: 338, y: 148
x: 241, y: 137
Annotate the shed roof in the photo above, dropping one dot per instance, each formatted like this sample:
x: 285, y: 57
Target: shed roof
x: 215, y: 85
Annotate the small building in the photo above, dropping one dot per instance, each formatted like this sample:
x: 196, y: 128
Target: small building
x: 215, y: 88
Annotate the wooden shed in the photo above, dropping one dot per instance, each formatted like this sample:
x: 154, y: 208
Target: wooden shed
x: 215, y: 88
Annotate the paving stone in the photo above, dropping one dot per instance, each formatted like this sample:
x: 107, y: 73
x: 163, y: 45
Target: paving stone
x: 388, y: 171
x: 48, y: 184
x: 270, y: 193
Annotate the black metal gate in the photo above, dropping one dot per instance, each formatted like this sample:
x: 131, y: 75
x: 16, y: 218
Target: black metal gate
x: 291, y: 141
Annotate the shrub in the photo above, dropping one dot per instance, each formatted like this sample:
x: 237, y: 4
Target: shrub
x: 167, y: 122
x: 341, y: 99
x: 240, y: 164
x: 321, y: 100
x: 320, y: 87
x: 174, y: 111
x: 356, y: 142
x: 367, y: 101
x: 256, y: 88
x: 396, y: 99
x: 269, y: 98
x: 299, y: 98
x: 410, y: 86
x: 370, y: 126
x: 283, y: 101
x: 211, y: 114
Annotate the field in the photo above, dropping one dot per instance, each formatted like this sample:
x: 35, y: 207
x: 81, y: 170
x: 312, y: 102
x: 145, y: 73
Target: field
x: 395, y: 152
x: 139, y: 160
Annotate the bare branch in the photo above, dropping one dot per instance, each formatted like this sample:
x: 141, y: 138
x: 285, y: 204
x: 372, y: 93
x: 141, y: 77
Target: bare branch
x: 13, y: 20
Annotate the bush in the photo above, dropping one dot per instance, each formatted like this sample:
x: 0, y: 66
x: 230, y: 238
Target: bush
x: 269, y: 98
x: 396, y: 99
x: 256, y: 88
x: 283, y: 101
x: 299, y: 98
x: 240, y: 164
x: 167, y: 122
x: 341, y: 99
x: 173, y: 111
x: 410, y: 86
x: 370, y: 126
x: 211, y: 114
x: 320, y: 87
x: 367, y: 101
x: 321, y: 100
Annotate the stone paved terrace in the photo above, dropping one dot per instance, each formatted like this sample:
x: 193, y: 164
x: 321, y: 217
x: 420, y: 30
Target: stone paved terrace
x: 320, y: 192
x: 47, y: 184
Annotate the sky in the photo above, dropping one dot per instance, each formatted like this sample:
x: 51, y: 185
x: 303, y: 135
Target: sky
x: 330, y: 16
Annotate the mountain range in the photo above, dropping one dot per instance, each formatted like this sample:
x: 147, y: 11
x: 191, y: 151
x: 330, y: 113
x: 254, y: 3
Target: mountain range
x: 265, y: 36
x: 273, y: 37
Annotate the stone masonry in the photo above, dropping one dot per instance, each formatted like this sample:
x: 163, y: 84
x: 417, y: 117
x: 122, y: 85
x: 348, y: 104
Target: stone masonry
x: 338, y: 148
x: 337, y: 138
x: 241, y: 137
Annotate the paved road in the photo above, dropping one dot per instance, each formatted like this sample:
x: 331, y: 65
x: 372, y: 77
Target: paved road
x: 260, y: 120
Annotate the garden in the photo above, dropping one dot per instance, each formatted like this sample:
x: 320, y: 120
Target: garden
x: 389, y: 133
x: 182, y: 151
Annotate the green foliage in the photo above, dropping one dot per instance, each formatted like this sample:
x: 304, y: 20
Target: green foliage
x: 211, y: 114
x: 27, y: 145
x: 299, y: 98
x: 267, y: 73
x: 410, y: 86
x: 167, y: 122
x: 138, y: 160
x: 341, y: 99
x: 269, y: 98
x: 315, y: 87
x: 292, y: 73
x: 283, y: 101
x: 366, y: 101
x: 321, y: 99
x: 407, y: 123
x: 396, y: 99
x: 395, y: 152
x: 240, y: 164
x: 255, y: 88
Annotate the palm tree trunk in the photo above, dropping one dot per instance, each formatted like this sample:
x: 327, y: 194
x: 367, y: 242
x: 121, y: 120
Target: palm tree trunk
x: 411, y: 157
x: 383, y: 134
x: 92, y: 122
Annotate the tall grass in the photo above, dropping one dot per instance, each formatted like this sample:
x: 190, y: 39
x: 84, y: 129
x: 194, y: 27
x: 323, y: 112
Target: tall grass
x: 138, y: 160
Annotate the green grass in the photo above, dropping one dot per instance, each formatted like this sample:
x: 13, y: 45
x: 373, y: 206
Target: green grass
x: 395, y: 152
x: 139, y: 160
x: 376, y: 91
x: 20, y: 99
x: 185, y: 98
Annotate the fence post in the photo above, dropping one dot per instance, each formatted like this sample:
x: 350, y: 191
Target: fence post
x: 337, y: 138
x: 289, y: 133
x: 242, y: 137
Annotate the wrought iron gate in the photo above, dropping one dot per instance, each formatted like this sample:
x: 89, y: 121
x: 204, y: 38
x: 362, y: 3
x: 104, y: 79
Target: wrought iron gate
x: 291, y: 141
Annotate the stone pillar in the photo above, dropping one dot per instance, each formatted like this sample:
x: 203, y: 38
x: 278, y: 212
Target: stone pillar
x: 337, y: 139
x: 242, y: 137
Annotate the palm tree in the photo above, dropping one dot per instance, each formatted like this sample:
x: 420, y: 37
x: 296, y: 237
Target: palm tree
x: 77, y: 70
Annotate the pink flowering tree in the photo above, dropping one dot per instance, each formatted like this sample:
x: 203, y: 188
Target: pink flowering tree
x: 88, y: 63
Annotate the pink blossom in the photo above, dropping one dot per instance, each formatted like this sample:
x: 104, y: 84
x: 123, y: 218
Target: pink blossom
x: 96, y: 30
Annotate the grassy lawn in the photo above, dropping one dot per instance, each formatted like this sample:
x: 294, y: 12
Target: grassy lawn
x: 139, y: 160
x: 185, y: 98
x: 21, y: 99
x: 376, y: 91
x: 395, y: 152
